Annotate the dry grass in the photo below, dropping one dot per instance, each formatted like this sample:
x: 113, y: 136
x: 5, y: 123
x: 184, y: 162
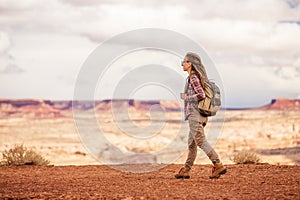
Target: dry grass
x: 246, y: 157
x: 20, y: 155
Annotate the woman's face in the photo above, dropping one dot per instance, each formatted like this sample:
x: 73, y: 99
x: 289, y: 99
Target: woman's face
x: 187, y: 65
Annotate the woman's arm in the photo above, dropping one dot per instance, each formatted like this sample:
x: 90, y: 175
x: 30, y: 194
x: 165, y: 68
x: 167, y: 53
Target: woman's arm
x: 199, y: 92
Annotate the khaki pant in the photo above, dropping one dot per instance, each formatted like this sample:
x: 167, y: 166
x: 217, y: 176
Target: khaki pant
x: 197, y: 138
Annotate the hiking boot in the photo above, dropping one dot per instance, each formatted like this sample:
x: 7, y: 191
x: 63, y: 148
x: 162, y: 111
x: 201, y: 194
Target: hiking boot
x: 183, y: 173
x: 218, y: 170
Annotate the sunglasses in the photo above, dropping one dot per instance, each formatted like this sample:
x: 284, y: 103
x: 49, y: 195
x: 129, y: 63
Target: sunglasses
x: 184, y: 61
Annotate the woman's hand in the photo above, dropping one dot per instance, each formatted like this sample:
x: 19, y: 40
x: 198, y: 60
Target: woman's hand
x: 183, y: 96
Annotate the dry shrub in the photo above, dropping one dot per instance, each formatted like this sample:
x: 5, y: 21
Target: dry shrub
x: 20, y: 155
x: 246, y: 157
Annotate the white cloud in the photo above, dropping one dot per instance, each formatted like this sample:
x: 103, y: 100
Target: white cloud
x: 12, y: 69
x: 125, y: 66
x: 254, y: 86
x: 249, y: 10
x: 7, y: 62
x: 244, y: 36
x: 15, y: 5
x: 4, y: 43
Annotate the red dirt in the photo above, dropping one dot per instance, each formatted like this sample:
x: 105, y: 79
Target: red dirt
x: 86, y: 182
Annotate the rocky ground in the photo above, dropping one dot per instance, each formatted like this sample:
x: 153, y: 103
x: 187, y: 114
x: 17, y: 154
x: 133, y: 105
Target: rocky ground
x: 102, y: 182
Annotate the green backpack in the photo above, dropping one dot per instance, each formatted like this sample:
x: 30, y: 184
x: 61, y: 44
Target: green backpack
x: 212, y: 101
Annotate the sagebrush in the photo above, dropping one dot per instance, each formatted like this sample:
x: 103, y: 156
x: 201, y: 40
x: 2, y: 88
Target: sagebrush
x: 246, y: 157
x: 20, y: 155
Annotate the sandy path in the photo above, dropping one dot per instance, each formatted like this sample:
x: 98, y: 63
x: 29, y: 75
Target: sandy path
x: 241, y: 182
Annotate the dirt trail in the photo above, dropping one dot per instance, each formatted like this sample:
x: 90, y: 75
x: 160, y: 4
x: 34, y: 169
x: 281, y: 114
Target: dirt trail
x: 86, y: 182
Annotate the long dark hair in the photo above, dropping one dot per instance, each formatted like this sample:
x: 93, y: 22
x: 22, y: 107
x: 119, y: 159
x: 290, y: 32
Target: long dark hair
x: 202, y: 75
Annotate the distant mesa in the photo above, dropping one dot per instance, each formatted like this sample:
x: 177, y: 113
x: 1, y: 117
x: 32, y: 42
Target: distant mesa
x: 117, y: 104
x: 21, y: 102
x: 275, y: 104
x: 37, y: 108
x: 282, y: 104
x: 31, y: 108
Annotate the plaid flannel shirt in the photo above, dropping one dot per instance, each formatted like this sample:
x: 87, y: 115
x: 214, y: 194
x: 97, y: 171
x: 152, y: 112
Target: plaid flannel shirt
x: 194, y: 93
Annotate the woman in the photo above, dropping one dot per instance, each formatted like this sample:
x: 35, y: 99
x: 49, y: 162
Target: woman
x: 193, y: 94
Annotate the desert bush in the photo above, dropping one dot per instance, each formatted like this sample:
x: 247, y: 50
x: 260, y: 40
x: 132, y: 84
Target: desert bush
x: 20, y: 155
x: 246, y: 157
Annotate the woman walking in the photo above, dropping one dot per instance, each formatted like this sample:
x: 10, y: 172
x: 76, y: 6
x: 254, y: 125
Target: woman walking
x: 193, y: 94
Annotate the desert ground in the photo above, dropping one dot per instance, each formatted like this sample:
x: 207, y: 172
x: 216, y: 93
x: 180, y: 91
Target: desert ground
x: 79, y: 159
x: 103, y: 182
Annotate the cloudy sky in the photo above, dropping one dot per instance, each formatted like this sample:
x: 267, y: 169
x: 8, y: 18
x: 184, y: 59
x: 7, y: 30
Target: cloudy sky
x: 255, y: 45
